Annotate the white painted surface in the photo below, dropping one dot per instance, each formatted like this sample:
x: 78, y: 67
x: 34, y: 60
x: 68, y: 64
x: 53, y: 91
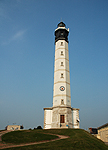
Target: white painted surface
x: 48, y: 118
x: 58, y: 95
x: 13, y: 127
x: 75, y: 118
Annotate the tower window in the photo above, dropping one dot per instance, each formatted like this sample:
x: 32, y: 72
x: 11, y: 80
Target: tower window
x: 61, y: 75
x: 61, y: 43
x: 61, y: 63
x: 62, y: 101
x: 61, y: 52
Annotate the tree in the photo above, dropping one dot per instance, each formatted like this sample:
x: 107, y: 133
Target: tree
x: 21, y: 127
x: 39, y: 127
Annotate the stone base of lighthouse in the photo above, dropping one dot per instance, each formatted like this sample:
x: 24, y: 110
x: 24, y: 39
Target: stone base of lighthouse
x: 61, y: 117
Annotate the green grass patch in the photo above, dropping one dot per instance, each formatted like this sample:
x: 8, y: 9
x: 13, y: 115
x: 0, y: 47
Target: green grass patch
x: 78, y: 140
x: 26, y: 136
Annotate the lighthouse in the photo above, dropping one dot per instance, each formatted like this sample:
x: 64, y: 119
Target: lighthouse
x: 61, y: 114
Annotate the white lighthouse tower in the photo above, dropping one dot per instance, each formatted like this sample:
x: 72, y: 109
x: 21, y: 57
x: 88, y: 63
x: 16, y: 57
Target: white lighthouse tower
x: 61, y: 115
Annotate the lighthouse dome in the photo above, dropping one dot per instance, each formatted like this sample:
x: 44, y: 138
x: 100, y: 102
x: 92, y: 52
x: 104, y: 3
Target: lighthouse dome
x: 61, y: 33
x: 61, y: 24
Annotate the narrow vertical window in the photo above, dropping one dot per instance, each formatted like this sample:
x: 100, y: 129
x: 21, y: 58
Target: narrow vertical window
x: 61, y: 63
x: 61, y: 43
x: 61, y: 75
x: 62, y: 101
x: 61, y: 52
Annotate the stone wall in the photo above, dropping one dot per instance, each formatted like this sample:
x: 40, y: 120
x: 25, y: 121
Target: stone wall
x: 56, y: 112
x: 103, y: 133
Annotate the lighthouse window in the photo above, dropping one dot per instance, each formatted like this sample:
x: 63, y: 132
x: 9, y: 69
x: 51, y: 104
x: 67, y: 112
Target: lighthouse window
x: 61, y: 52
x: 62, y: 101
x: 61, y: 75
x: 61, y: 63
x: 61, y: 43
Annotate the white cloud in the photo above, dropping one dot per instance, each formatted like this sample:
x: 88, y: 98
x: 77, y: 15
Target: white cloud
x: 19, y: 35
x: 11, y: 33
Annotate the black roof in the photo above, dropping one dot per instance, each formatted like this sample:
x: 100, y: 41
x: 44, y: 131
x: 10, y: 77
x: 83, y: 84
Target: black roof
x: 61, y: 24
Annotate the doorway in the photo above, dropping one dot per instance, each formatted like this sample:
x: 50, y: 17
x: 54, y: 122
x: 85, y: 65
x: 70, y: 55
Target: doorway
x: 62, y: 120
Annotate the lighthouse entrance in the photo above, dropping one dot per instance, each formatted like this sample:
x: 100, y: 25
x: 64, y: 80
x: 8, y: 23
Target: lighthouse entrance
x: 62, y: 119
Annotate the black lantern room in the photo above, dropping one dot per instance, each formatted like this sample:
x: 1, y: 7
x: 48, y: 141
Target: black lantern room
x: 61, y: 33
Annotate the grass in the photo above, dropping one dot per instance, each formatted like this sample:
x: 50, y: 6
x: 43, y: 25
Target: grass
x: 78, y: 140
x: 26, y: 136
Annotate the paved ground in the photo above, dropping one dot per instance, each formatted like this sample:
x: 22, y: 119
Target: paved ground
x: 4, y: 145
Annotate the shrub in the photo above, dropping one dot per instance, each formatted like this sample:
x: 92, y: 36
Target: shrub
x: 39, y: 127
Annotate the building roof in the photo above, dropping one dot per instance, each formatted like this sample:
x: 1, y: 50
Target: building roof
x: 105, y: 125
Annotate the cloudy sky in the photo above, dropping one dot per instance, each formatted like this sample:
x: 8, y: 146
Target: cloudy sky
x: 27, y: 59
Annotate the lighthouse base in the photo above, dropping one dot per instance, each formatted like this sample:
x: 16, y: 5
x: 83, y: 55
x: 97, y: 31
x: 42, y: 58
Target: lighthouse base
x: 61, y: 117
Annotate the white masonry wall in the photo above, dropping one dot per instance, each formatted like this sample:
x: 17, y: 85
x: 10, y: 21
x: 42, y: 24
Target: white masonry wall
x: 47, y: 118
x: 59, y: 69
x: 75, y: 118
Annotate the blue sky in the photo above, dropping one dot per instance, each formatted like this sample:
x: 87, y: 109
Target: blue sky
x: 27, y: 59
